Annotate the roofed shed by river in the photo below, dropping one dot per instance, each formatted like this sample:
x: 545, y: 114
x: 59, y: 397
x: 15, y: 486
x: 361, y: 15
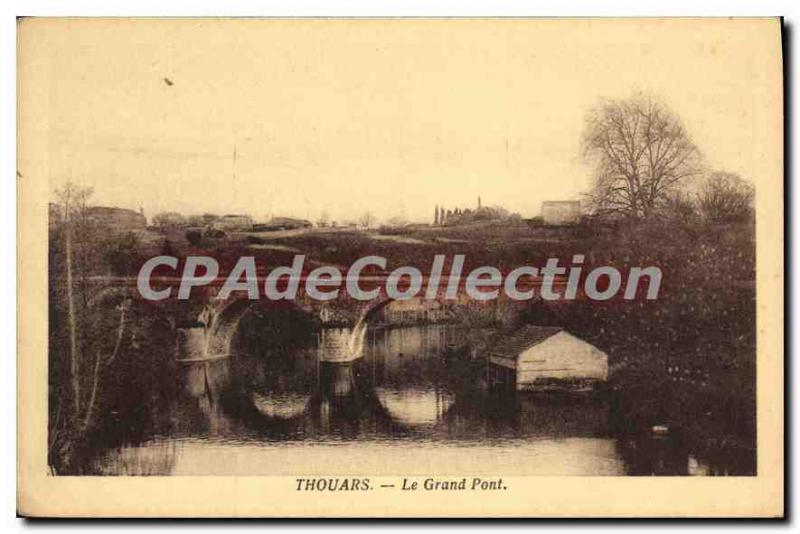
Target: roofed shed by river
x: 546, y: 357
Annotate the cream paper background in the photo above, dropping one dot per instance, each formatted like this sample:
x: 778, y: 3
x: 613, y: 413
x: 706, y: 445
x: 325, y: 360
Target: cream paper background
x: 757, y: 41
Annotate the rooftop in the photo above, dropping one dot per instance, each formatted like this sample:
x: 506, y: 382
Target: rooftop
x: 525, y: 338
x: 561, y: 202
x: 109, y: 209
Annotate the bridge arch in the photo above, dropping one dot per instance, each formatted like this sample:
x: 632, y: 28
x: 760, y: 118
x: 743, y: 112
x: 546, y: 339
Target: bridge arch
x: 359, y: 334
x: 220, y: 319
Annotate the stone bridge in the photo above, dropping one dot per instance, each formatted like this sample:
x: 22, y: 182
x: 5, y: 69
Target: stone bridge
x: 205, y: 324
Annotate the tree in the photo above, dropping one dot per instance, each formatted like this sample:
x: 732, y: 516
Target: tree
x: 169, y: 218
x: 641, y: 153
x: 680, y: 208
x: 73, y: 198
x: 725, y: 198
x: 92, y: 337
x: 367, y: 220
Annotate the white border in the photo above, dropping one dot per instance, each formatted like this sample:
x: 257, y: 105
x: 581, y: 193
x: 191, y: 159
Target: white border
x: 13, y: 8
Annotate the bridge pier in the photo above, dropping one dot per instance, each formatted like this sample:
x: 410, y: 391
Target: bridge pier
x: 192, y: 344
x: 336, y: 345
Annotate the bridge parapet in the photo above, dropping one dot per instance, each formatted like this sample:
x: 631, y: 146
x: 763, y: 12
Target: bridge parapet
x: 205, y: 324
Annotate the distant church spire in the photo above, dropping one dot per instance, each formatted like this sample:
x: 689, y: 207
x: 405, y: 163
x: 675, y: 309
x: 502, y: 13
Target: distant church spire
x: 479, y: 202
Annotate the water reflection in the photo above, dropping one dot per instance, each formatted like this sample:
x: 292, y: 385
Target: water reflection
x: 415, y: 407
x: 408, y: 406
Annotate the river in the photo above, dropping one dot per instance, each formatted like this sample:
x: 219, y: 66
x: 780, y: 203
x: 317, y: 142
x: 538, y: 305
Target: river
x: 413, y: 404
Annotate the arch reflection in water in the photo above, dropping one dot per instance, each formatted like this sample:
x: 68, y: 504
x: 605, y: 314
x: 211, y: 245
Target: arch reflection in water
x: 415, y: 407
x: 405, y: 407
x: 280, y: 405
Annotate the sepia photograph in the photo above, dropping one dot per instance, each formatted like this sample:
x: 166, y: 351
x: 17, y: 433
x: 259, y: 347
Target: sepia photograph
x: 398, y: 267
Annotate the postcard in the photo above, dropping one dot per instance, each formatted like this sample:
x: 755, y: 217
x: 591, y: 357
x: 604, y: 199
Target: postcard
x: 400, y: 267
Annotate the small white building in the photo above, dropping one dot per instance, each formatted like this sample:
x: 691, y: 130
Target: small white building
x: 543, y: 357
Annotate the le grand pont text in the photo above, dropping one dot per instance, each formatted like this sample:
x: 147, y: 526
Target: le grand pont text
x: 406, y: 484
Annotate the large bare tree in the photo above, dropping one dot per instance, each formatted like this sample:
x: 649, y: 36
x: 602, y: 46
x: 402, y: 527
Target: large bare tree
x: 641, y: 153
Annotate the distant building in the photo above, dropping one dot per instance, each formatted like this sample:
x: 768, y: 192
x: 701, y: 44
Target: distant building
x: 206, y: 219
x: 539, y: 357
x: 169, y: 219
x: 413, y: 311
x: 561, y: 212
x: 282, y: 223
x: 119, y: 219
x: 234, y: 222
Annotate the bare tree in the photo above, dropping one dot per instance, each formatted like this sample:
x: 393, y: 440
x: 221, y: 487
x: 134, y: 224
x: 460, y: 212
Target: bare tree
x: 641, y: 153
x: 73, y: 198
x: 367, y: 220
x: 88, y: 330
x: 725, y: 197
x: 680, y: 207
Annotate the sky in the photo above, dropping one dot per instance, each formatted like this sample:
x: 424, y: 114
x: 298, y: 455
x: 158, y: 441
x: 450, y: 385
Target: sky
x: 338, y: 117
